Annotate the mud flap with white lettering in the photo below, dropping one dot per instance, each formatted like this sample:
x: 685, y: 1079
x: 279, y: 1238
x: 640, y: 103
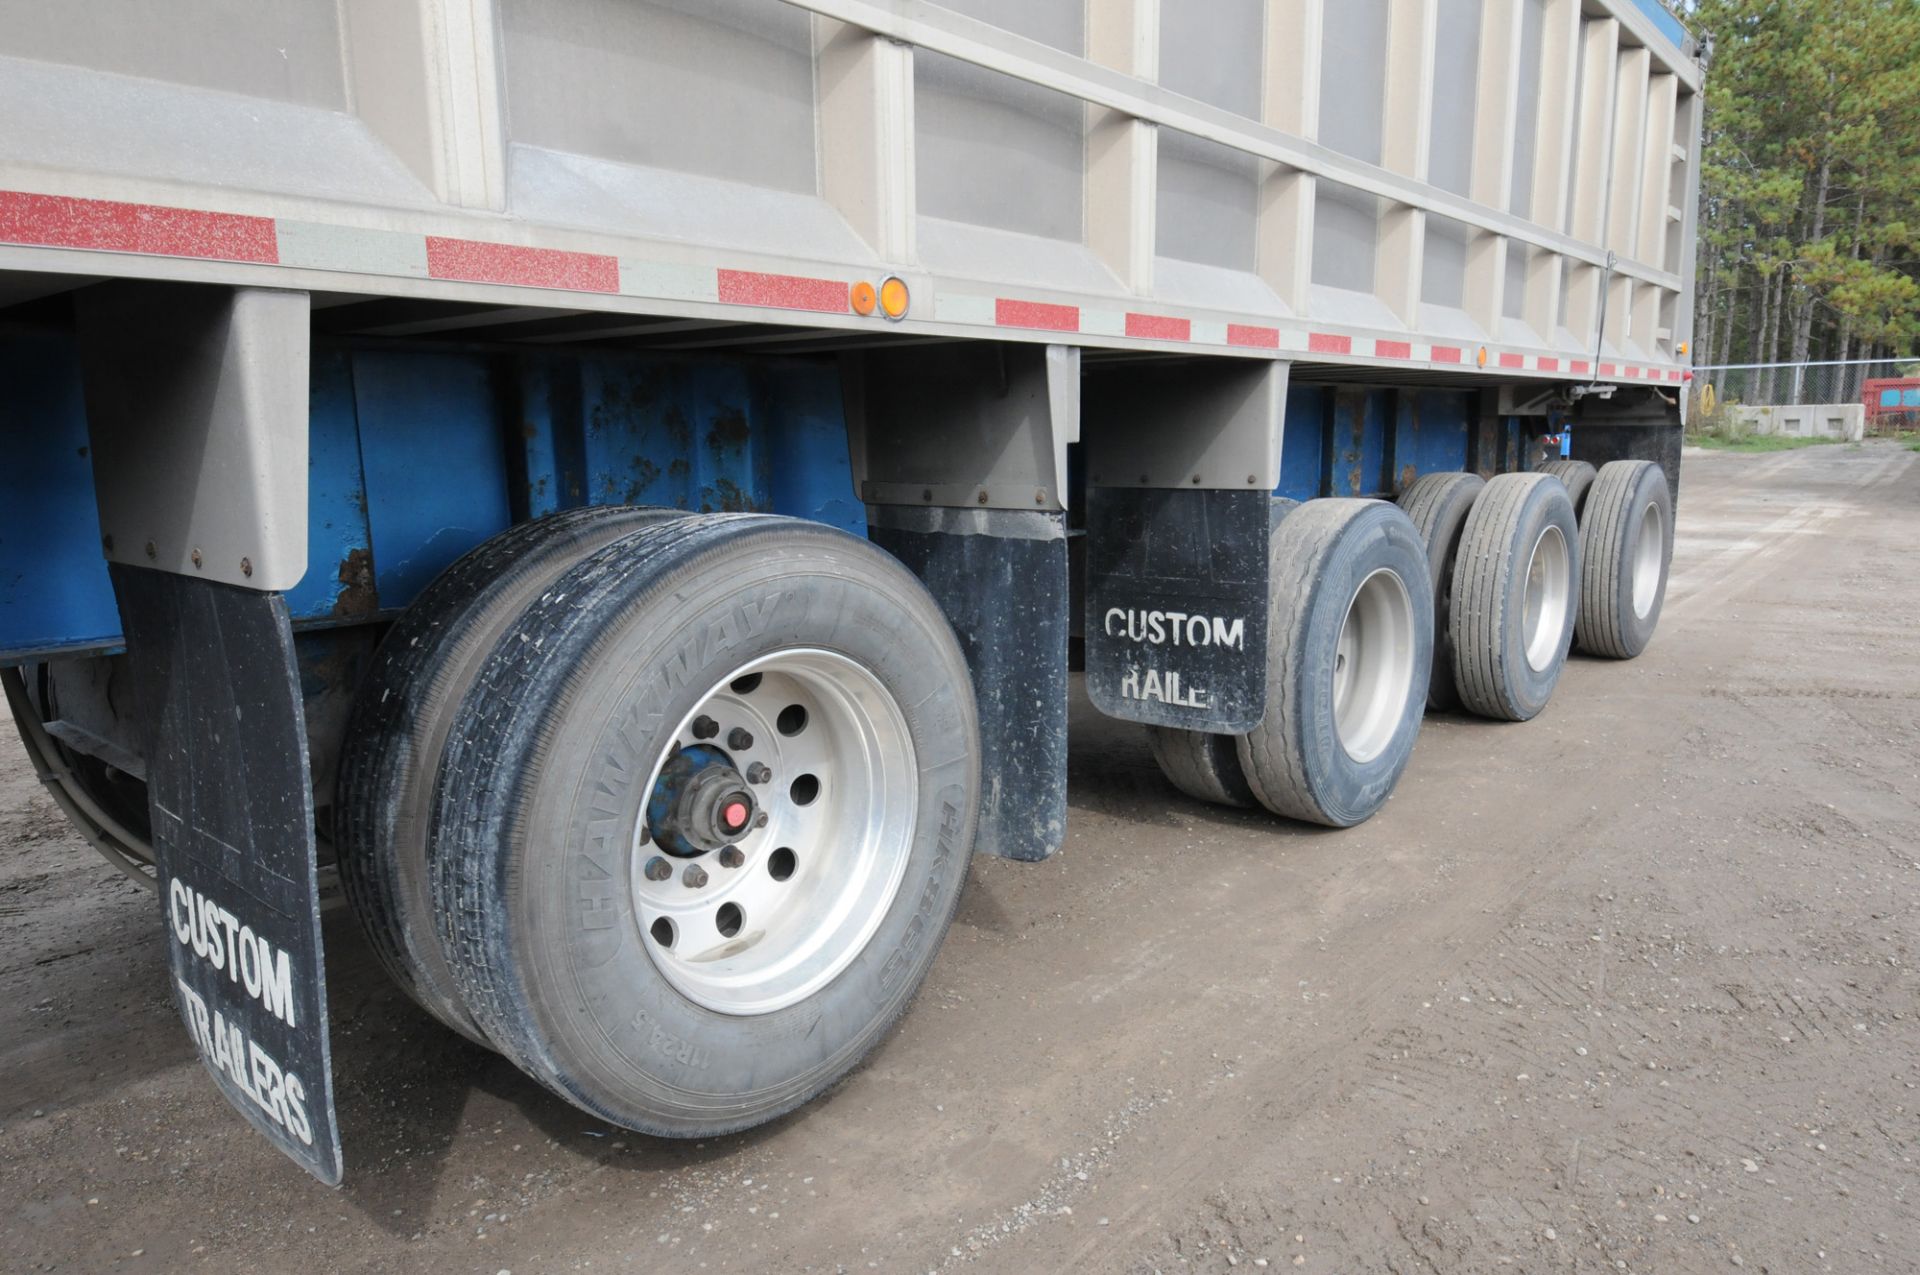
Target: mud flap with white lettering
x: 1176, y: 622
x: 232, y: 809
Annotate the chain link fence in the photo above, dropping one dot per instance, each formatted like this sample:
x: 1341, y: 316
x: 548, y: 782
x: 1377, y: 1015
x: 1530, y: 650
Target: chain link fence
x: 1886, y: 390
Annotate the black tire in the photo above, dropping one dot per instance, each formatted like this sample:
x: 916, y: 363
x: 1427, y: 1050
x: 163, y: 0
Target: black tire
x: 543, y: 784
x: 1500, y: 673
x: 1577, y: 476
x: 1438, y: 505
x: 1621, y: 592
x: 1204, y: 766
x: 1322, y: 554
x: 398, y: 728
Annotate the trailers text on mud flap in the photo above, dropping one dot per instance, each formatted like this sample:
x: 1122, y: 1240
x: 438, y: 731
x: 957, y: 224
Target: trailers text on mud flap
x: 228, y: 946
x: 1170, y: 629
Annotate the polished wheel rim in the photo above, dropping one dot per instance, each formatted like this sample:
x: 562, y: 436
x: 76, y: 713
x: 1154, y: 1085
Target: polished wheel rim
x: 777, y: 831
x: 1649, y: 553
x: 1549, y: 587
x: 1373, y: 665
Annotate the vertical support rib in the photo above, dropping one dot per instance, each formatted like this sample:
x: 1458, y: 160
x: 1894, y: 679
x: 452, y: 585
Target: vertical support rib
x: 1599, y: 54
x: 1657, y: 167
x: 1290, y: 101
x: 1552, y: 157
x: 1492, y: 180
x: 1122, y: 152
x: 1629, y: 151
x: 1405, y: 144
x: 865, y: 87
x: 1689, y: 109
x: 425, y: 77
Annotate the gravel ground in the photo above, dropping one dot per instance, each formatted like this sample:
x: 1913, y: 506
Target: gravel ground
x: 1630, y: 987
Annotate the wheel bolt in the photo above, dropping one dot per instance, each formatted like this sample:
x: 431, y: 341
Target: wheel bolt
x: 759, y: 773
x: 760, y: 820
x: 739, y: 739
x: 705, y: 727
x: 657, y: 869
x: 694, y: 877
x: 730, y: 857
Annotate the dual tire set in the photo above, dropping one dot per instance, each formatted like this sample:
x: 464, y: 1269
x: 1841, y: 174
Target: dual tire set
x: 1463, y: 594
x: 671, y: 810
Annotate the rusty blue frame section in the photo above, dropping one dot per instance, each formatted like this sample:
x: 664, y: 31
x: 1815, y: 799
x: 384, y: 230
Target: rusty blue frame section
x: 417, y: 455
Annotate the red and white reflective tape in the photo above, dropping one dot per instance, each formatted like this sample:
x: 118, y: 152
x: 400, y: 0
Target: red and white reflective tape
x: 101, y: 225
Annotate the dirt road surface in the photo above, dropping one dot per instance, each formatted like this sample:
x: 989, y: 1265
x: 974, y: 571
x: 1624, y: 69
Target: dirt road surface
x: 1630, y: 987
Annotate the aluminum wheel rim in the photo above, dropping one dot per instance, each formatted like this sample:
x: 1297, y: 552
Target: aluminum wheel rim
x: 1648, y: 554
x: 815, y: 878
x: 1373, y: 665
x: 1549, y: 587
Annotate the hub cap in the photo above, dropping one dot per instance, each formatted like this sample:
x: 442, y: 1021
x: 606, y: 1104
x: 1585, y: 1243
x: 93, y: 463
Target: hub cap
x: 1373, y: 666
x: 776, y: 833
x: 1648, y: 559
x: 1549, y: 587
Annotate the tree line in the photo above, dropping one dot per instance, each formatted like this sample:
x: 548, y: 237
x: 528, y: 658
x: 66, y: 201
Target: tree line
x: 1810, y: 185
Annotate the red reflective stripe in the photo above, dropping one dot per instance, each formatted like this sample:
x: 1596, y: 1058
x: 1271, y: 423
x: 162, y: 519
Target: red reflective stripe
x: 1549, y: 365
x: 1674, y: 375
x: 1513, y: 360
x: 784, y: 291
x: 1393, y: 349
x: 1606, y: 369
x: 1258, y: 337
x: 1036, y: 314
x: 1448, y: 354
x: 105, y: 225
x: 1581, y: 366
x: 1158, y: 327
x: 472, y: 261
x: 1328, y: 343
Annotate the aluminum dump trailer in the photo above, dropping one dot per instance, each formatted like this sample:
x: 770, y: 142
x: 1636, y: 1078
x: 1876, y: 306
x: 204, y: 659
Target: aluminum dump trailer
x: 617, y: 493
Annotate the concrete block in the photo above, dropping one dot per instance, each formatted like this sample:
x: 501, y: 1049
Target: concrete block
x: 1846, y: 421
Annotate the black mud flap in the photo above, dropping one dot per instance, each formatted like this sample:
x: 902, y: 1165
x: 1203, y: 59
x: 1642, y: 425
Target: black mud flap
x: 1630, y: 425
x: 1176, y: 623
x: 1000, y: 575
x: 213, y: 668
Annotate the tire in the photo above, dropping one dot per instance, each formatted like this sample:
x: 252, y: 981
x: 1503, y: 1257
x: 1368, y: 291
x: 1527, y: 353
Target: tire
x: 598, y: 978
x: 1626, y: 548
x: 398, y: 726
x: 1320, y: 754
x: 1438, y: 505
x: 1204, y: 766
x: 1577, y: 476
x: 1514, y: 596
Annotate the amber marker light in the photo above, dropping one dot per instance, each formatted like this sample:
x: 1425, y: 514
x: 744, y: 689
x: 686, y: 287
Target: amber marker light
x: 1483, y: 356
x: 861, y: 298
x: 893, y: 297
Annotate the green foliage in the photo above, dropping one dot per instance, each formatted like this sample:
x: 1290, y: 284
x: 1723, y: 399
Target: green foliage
x: 1810, y: 201
x: 1754, y: 443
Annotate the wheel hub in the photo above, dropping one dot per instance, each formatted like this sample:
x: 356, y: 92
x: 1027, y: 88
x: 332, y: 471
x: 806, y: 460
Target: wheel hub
x: 776, y: 832
x: 700, y: 803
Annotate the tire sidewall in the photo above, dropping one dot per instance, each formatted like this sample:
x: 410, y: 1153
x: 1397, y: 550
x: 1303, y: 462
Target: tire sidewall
x: 604, y: 1021
x: 1529, y: 688
x: 1648, y: 487
x: 1381, y: 537
x: 1443, y: 547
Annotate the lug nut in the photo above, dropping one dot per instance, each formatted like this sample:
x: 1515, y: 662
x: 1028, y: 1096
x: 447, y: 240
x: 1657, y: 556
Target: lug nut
x: 739, y: 739
x: 730, y: 857
x: 694, y: 877
x: 705, y: 727
x: 759, y: 773
x: 657, y: 869
x: 760, y: 820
